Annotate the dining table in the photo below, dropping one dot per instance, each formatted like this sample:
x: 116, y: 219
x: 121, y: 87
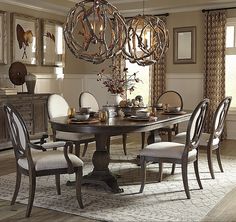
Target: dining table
x: 101, y: 174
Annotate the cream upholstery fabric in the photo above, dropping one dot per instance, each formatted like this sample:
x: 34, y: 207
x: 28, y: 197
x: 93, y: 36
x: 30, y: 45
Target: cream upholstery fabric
x: 53, y: 159
x: 51, y: 145
x: 57, y: 106
x: 168, y: 150
x: 181, y: 138
x: 73, y: 136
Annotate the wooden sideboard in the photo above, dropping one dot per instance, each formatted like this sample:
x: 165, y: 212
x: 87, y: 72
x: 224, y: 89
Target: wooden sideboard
x: 32, y: 107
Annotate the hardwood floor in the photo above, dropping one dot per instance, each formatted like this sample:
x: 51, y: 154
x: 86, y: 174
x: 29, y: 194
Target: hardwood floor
x: 224, y: 211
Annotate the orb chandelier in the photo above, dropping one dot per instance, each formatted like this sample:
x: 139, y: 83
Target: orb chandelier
x: 147, y: 40
x: 95, y: 31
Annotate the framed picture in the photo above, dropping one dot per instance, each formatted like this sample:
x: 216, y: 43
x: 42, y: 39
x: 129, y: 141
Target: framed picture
x: 53, y: 43
x: 24, y: 39
x: 3, y: 38
x: 184, y: 45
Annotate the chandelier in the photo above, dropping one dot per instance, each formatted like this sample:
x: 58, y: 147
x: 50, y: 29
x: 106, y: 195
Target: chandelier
x: 95, y: 31
x: 147, y: 40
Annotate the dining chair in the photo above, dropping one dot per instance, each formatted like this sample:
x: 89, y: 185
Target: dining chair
x: 87, y: 99
x: 57, y: 106
x: 212, y: 141
x: 178, y: 153
x: 174, y: 99
x: 35, y: 160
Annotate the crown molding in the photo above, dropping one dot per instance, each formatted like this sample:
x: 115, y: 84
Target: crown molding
x: 39, y: 6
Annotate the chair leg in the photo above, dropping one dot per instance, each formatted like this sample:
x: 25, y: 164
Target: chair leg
x: 184, y: 167
x: 209, y: 160
x: 143, y: 139
x: 32, y: 186
x: 85, y: 149
x: 143, y: 173
x: 108, y: 144
x: 57, y: 179
x: 173, y: 169
x: 79, y: 175
x: 169, y: 135
x: 77, y: 149
x: 17, y: 187
x: 197, y: 173
x: 124, y: 139
x: 160, y: 171
x: 219, y: 159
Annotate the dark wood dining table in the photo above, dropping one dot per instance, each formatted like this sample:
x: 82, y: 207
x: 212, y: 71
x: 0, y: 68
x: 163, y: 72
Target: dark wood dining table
x: 114, y: 126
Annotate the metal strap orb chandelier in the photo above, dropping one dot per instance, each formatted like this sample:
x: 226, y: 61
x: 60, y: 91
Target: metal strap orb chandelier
x: 147, y: 40
x: 95, y: 31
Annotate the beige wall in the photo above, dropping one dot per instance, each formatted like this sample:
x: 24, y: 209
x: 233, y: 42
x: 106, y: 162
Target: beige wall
x: 184, y: 19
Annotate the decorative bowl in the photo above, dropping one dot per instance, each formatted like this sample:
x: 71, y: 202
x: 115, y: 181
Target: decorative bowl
x: 173, y: 109
x: 85, y: 110
x: 142, y: 114
x: 82, y: 116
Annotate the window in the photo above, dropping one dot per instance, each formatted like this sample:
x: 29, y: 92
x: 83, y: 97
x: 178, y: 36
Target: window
x: 230, y: 60
x: 143, y: 73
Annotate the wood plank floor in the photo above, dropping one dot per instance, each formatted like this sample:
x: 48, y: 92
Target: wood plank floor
x: 223, y: 211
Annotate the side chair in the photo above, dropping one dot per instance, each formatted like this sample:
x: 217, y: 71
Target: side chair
x: 57, y: 106
x: 87, y: 99
x: 178, y: 153
x: 40, y: 160
x: 212, y: 141
x: 171, y: 98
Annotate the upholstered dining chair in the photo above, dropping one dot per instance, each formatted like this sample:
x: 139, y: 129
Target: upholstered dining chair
x: 39, y: 160
x: 87, y: 99
x: 172, y: 98
x: 57, y: 106
x: 211, y: 141
x: 178, y: 153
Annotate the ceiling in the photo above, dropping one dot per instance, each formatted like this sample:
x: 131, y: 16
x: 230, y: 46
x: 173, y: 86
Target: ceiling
x: 128, y: 7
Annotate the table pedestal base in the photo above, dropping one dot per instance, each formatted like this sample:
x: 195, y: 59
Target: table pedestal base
x: 105, y: 179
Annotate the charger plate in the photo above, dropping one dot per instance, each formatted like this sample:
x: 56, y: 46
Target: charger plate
x: 75, y: 121
x: 174, y: 113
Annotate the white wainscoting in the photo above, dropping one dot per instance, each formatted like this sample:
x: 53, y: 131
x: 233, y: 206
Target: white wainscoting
x: 189, y: 85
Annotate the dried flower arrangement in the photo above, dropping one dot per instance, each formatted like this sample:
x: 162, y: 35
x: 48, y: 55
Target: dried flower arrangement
x: 118, y: 83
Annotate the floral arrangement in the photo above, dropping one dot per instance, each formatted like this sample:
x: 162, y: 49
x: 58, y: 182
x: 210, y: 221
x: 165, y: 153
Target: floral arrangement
x: 118, y: 83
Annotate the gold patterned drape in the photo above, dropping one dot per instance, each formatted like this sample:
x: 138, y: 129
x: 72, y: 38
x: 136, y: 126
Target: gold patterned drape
x: 158, y: 76
x: 214, y: 73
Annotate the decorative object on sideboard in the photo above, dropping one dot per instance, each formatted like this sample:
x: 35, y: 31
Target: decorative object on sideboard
x: 30, y: 80
x: 95, y: 31
x: 17, y: 73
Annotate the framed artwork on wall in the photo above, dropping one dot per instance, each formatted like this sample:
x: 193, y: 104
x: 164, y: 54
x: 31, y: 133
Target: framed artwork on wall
x: 53, y: 45
x: 24, y: 46
x: 3, y: 37
x: 184, y: 45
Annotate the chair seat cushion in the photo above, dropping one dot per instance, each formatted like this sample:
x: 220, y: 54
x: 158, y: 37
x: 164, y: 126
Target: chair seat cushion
x: 73, y: 136
x: 167, y: 150
x: 181, y: 138
x: 53, y: 159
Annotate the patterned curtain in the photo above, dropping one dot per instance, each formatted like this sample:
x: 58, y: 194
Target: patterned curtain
x: 214, y: 79
x: 158, y: 76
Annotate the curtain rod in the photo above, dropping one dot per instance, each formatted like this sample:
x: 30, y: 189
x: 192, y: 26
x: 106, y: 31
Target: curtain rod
x: 164, y: 14
x: 217, y: 9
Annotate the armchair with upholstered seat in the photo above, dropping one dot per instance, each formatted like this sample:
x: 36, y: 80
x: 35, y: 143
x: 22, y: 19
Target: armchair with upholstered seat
x: 58, y: 106
x: 178, y: 153
x: 42, y: 163
x: 211, y: 141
